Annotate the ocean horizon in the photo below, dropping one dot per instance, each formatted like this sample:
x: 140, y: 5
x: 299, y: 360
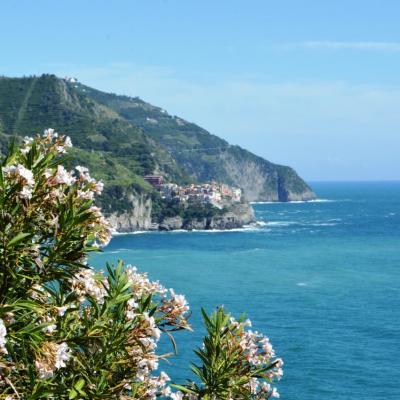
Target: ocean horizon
x: 320, y: 279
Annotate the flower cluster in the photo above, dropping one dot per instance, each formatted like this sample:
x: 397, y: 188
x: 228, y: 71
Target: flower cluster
x: 53, y: 356
x: 22, y: 177
x: 88, y: 283
x: 141, y: 284
x: 163, y: 313
x: 34, y: 181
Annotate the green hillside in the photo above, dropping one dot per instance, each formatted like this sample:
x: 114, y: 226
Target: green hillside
x: 117, y: 149
x: 121, y: 139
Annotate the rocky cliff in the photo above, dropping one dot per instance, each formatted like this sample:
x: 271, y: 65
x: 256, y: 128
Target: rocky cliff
x: 238, y: 216
x: 139, y: 219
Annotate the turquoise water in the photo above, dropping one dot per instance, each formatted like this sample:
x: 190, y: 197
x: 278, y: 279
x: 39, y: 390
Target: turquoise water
x: 321, y: 279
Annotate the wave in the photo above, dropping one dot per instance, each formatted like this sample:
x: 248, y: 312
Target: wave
x: 261, y: 223
x: 294, y: 201
x: 245, y: 228
x: 281, y: 223
x: 321, y: 201
x: 247, y: 251
x: 301, y: 223
x: 116, y: 233
x: 300, y: 201
x: 322, y: 224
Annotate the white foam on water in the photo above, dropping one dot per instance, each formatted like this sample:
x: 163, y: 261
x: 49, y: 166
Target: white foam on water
x: 265, y: 202
x: 299, y: 201
x: 261, y: 223
x: 301, y: 284
x: 256, y: 249
x: 281, y: 223
x: 245, y: 228
x: 320, y: 201
x: 115, y: 233
x: 323, y: 224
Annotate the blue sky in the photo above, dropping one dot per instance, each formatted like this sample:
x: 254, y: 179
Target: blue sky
x: 311, y: 84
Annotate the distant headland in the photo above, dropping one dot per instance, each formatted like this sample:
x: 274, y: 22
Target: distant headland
x: 123, y: 140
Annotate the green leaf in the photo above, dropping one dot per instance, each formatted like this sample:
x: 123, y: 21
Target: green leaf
x: 183, y: 389
x: 18, y: 238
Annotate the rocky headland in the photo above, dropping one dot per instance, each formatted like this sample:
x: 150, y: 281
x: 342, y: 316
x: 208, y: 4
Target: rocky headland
x: 140, y: 219
x: 123, y: 139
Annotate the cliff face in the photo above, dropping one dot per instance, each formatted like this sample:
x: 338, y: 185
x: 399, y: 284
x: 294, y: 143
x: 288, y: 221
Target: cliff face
x: 262, y: 180
x: 139, y: 219
x: 238, y: 216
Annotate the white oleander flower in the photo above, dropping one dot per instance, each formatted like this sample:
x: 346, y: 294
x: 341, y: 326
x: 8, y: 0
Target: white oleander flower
x: 141, y: 285
x: 67, y: 142
x: 63, y: 355
x: 62, y: 176
x: 3, y: 340
x: 82, y: 170
x: 179, y: 302
x: 98, y: 187
x: 176, y: 395
x: 50, y: 328
x: 85, y: 194
x: 61, y: 310
x: 53, y: 357
x: 84, y: 283
x: 25, y: 193
x: 20, y: 173
x: 275, y: 393
x: 50, y: 134
x: 25, y: 150
x: 28, y: 140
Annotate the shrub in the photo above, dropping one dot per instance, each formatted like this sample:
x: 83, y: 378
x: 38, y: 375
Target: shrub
x: 69, y: 332
x: 236, y: 363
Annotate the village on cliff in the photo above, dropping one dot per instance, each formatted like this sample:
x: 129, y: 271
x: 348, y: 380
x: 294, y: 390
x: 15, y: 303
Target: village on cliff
x: 214, y: 193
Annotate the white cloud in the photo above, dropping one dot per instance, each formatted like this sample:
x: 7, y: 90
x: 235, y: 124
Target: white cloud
x: 343, y: 45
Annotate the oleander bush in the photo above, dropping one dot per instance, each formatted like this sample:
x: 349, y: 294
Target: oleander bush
x: 236, y: 363
x: 70, y: 332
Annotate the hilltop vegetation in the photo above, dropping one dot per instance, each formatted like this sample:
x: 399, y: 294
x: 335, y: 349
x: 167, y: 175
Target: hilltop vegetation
x: 116, y: 149
x: 121, y: 139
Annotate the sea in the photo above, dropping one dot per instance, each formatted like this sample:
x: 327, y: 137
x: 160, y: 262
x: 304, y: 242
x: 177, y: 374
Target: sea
x: 321, y: 279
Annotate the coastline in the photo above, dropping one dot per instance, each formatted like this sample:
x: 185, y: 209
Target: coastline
x: 238, y: 217
x: 252, y: 227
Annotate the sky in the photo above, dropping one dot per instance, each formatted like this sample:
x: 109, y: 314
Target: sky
x: 307, y: 83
